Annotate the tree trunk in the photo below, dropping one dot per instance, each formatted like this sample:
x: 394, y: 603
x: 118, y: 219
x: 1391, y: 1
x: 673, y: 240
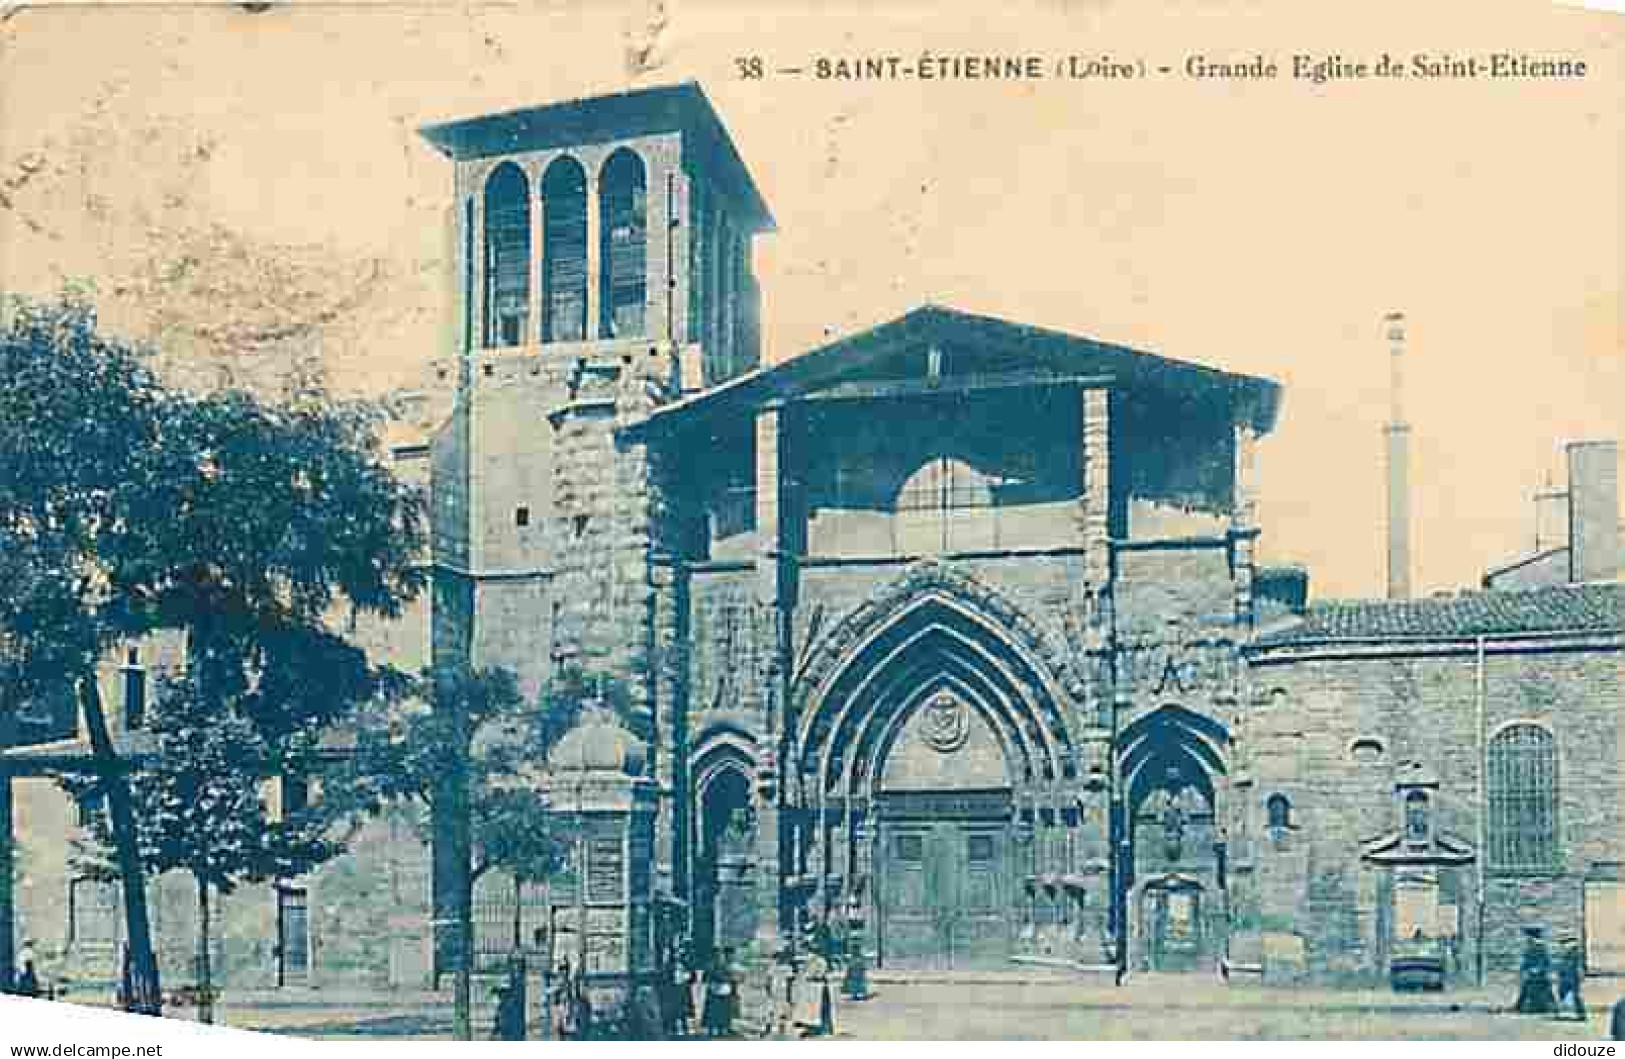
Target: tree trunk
x: 146, y: 996
x: 463, y: 985
x: 205, y: 970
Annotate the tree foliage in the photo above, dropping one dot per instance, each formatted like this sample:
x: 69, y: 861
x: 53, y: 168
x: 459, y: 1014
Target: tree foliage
x: 200, y: 798
x: 470, y: 735
x: 127, y: 507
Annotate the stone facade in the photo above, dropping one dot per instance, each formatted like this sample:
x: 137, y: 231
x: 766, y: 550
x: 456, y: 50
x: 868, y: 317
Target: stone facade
x: 951, y: 630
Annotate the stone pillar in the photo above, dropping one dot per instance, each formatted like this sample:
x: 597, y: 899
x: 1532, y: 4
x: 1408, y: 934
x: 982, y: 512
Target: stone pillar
x: 670, y: 771
x: 595, y: 258
x: 1244, y: 521
x: 770, y: 903
x: 476, y: 269
x: 535, y: 270
x: 769, y: 532
x: 670, y: 301
x: 1095, y: 503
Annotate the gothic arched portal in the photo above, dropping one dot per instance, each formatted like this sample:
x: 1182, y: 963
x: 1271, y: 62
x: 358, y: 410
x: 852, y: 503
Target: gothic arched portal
x: 1172, y: 762
x: 931, y: 744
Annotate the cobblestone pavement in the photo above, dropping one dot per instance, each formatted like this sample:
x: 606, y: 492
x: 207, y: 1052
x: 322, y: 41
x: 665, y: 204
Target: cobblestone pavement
x: 1189, y: 1007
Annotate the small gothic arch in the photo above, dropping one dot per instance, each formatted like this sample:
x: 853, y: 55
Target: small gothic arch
x: 564, y: 251
x: 624, y: 232
x: 507, y: 256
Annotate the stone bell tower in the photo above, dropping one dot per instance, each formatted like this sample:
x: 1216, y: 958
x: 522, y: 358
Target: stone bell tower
x: 598, y: 257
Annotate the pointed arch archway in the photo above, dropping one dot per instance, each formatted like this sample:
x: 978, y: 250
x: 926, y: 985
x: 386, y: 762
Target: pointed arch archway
x: 935, y: 623
x: 929, y: 731
x: 722, y: 769
x: 1172, y: 764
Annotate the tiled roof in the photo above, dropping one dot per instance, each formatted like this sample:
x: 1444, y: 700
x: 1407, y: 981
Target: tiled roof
x: 1557, y: 609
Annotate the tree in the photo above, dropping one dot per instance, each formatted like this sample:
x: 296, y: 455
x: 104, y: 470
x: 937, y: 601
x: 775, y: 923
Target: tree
x: 198, y: 807
x: 127, y: 507
x: 470, y: 752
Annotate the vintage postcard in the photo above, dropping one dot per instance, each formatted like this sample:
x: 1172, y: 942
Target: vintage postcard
x: 674, y: 519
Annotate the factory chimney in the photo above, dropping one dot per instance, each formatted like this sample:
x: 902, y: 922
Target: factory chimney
x: 1397, y: 433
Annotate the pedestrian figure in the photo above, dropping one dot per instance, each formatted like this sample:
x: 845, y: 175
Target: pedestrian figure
x: 814, y: 1016
x: 780, y: 994
x: 721, y: 996
x: 672, y: 987
x: 643, y: 1019
x: 1570, y: 974
x: 1534, y: 977
x: 509, y: 1024
x: 1616, y: 1023
x: 28, y: 983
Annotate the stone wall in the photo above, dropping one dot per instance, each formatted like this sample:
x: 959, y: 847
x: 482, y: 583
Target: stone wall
x: 1329, y: 728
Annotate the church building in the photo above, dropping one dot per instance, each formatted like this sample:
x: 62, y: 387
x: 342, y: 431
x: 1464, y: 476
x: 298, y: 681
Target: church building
x: 955, y: 625
x: 954, y: 628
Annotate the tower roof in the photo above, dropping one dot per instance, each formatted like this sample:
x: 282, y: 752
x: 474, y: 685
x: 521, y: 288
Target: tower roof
x: 681, y: 107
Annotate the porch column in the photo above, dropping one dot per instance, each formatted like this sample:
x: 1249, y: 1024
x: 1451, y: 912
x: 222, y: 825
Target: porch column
x: 771, y: 685
x: 1095, y: 502
x: 1244, y: 521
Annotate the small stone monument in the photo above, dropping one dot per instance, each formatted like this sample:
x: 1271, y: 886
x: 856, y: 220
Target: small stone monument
x: 606, y: 808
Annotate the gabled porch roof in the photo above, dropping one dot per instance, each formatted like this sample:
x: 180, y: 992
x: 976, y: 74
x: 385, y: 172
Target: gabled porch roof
x: 1038, y: 353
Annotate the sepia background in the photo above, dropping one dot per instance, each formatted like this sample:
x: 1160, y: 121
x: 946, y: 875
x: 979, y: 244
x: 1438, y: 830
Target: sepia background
x: 247, y: 190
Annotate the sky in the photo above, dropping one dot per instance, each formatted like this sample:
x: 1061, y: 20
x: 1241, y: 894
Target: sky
x: 214, y: 173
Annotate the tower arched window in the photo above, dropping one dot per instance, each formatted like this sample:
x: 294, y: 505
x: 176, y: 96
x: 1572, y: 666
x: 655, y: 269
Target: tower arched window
x: 507, y: 257
x: 564, y: 252
x: 623, y: 204
x: 1522, y: 790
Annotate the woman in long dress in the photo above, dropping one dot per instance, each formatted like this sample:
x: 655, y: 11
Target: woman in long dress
x: 811, y: 990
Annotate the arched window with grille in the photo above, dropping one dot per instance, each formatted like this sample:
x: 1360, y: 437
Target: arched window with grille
x: 1522, y: 790
x: 623, y: 204
x: 507, y: 257
x: 564, y: 251
x: 945, y: 505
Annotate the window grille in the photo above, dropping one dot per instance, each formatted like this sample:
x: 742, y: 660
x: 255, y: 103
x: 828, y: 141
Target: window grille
x: 564, y: 252
x: 624, y: 203
x: 946, y: 505
x: 1522, y: 790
